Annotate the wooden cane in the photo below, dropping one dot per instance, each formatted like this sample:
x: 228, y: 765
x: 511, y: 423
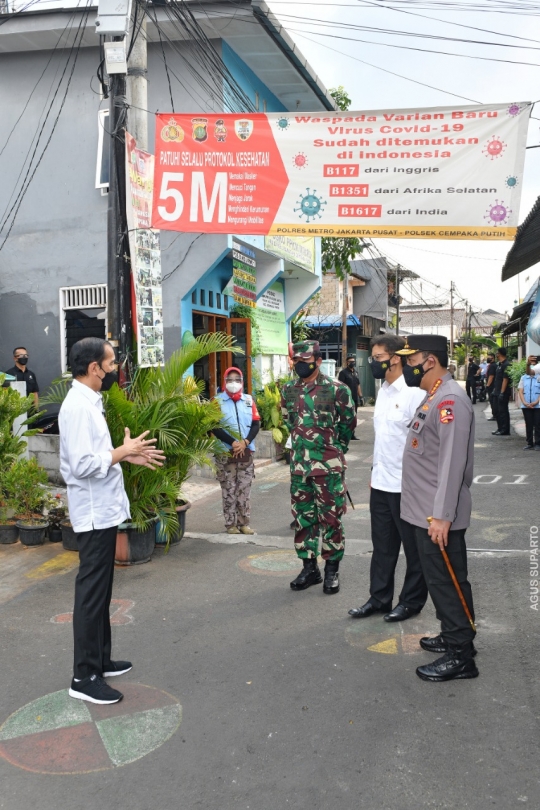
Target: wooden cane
x: 350, y: 499
x: 456, y: 583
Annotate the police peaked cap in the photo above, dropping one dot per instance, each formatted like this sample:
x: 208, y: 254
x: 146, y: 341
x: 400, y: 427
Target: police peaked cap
x: 424, y: 343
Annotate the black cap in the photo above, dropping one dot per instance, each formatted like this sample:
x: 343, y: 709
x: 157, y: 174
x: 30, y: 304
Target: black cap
x: 351, y: 357
x: 424, y: 343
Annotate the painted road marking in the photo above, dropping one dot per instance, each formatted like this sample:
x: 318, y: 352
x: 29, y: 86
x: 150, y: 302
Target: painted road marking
x: 494, y: 479
x: 56, y: 734
x: 273, y: 563
x: 120, y: 615
x: 378, y: 636
x: 60, y: 564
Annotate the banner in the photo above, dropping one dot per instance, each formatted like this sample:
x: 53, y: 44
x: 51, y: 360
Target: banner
x: 438, y: 173
x: 271, y: 321
x: 145, y: 255
x: 244, y: 279
x: 299, y: 250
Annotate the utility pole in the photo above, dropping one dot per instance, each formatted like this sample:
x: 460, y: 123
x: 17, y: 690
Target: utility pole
x: 137, y: 88
x: 344, y: 317
x: 451, y: 319
x: 398, y: 268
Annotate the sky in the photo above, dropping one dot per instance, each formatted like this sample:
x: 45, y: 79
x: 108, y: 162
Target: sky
x: 474, y: 266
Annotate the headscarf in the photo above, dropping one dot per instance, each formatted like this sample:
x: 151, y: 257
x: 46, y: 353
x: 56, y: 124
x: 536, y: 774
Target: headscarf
x: 234, y: 397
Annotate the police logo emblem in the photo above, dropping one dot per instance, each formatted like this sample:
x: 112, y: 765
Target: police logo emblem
x: 414, y: 443
x: 243, y: 128
x: 200, y: 129
x: 172, y: 132
x: 446, y: 415
x: 220, y: 131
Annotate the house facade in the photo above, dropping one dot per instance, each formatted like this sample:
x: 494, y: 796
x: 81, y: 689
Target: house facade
x: 53, y: 263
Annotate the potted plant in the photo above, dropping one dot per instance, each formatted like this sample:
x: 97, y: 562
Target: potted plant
x: 56, y: 513
x: 269, y: 407
x: 8, y: 525
x: 24, y: 484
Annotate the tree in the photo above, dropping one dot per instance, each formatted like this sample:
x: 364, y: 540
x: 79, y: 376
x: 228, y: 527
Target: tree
x: 339, y: 94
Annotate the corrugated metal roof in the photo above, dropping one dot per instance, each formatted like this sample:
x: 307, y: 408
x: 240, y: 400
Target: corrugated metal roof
x: 526, y: 248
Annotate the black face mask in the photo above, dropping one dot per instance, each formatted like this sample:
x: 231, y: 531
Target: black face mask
x: 23, y: 360
x: 110, y: 378
x: 379, y: 368
x: 304, y: 369
x: 351, y: 364
x: 413, y: 375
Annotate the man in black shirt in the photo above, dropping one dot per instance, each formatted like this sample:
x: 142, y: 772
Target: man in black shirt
x: 473, y: 372
x: 501, y: 394
x: 490, y: 382
x: 23, y: 374
x: 349, y: 376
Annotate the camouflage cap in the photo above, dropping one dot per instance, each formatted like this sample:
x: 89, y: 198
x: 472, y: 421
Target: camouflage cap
x: 305, y: 349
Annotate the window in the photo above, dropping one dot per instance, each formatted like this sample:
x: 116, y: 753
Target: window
x: 218, y: 300
x: 194, y: 297
x: 211, y: 299
x: 83, y: 314
x: 226, y: 302
x: 103, y: 151
x: 202, y: 298
x: 257, y: 101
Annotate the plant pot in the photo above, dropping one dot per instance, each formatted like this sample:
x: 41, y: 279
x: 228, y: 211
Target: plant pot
x: 69, y: 537
x: 9, y: 533
x: 181, y: 510
x: 32, y: 534
x: 132, y: 546
x: 55, y: 535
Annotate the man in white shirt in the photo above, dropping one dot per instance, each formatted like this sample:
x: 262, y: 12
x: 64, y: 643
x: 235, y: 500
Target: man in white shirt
x: 396, y: 405
x: 97, y: 504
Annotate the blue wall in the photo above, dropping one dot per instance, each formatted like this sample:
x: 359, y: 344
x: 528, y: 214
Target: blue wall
x: 211, y: 284
x: 249, y: 81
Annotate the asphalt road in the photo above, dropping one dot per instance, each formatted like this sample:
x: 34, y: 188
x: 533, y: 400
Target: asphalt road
x: 286, y: 701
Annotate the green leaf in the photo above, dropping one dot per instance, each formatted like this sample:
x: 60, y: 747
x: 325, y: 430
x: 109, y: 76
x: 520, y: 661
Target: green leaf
x: 275, y: 416
x: 277, y: 435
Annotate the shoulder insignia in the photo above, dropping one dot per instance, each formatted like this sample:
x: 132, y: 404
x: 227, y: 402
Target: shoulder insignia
x: 425, y: 407
x: 446, y: 415
x: 414, y: 443
x: 445, y: 402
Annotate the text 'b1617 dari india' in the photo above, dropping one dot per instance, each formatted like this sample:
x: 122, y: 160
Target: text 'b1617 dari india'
x: 437, y: 173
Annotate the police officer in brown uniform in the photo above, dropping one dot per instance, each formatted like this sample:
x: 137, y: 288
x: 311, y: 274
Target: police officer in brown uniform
x: 436, y: 500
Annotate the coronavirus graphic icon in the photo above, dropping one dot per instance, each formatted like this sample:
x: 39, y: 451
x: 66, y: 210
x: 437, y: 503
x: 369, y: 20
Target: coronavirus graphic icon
x: 310, y: 205
x: 494, y: 148
x: 511, y: 182
x: 498, y: 214
x: 300, y: 161
x: 283, y: 123
x: 514, y: 109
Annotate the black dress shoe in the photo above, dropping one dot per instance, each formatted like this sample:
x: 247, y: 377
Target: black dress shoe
x: 331, y: 577
x: 437, y: 644
x: 354, y: 439
x: 309, y: 575
x: 400, y: 613
x: 368, y: 610
x: 496, y: 433
x: 491, y: 419
x: 453, y: 665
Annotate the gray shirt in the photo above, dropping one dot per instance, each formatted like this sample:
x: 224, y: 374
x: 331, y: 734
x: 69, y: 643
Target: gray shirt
x: 438, y: 458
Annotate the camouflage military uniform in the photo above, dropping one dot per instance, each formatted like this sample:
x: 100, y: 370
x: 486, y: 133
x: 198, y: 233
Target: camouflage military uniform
x: 321, y: 418
x: 235, y: 479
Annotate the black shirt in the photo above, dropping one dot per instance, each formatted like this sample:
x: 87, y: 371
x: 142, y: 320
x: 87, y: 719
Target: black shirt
x: 26, y: 376
x: 490, y: 372
x: 350, y: 378
x: 471, y: 371
x: 500, y: 375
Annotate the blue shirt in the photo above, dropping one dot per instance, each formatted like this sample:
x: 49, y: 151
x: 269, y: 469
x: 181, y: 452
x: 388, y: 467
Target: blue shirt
x: 531, y: 389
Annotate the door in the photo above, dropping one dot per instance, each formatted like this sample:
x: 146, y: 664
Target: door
x: 211, y: 368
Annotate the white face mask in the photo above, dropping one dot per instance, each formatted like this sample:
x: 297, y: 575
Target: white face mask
x: 536, y: 369
x: 233, y: 387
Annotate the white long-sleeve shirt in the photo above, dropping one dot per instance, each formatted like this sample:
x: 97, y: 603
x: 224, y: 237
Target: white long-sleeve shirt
x: 395, y: 407
x: 95, y: 487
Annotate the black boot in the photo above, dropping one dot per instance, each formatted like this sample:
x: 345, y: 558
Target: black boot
x: 438, y: 645
x: 456, y: 663
x: 331, y: 577
x: 309, y: 575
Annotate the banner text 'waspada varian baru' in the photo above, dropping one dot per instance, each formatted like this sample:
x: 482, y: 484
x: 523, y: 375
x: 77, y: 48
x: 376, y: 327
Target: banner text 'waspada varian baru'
x: 437, y: 173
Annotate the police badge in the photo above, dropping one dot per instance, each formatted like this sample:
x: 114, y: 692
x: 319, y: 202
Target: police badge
x: 200, y: 129
x: 172, y: 132
x: 243, y: 128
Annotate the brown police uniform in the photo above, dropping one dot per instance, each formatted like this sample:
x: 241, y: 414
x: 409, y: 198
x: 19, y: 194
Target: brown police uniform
x: 437, y: 475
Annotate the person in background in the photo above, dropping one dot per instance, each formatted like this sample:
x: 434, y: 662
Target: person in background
x: 97, y: 503
x: 483, y: 368
x: 349, y: 376
x: 23, y: 374
x: 490, y: 381
x: 501, y: 394
x: 529, y: 395
x: 473, y: 371
x: 235, y: 468
x: 394, y: 410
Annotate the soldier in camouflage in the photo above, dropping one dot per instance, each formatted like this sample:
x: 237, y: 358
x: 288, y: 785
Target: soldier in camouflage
x: 321, y: 417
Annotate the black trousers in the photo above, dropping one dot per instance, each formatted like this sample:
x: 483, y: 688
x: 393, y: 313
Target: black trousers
x: 470, y: 388
x: 502, y: 414
x: 532, y: 425
x: 388, y: 532
x: 492, y: 403
x: 455, y: 627
x: 93, y: 591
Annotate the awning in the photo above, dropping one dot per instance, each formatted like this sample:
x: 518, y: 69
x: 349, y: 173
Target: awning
x: 331, y: 321
x: 526, y: 248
